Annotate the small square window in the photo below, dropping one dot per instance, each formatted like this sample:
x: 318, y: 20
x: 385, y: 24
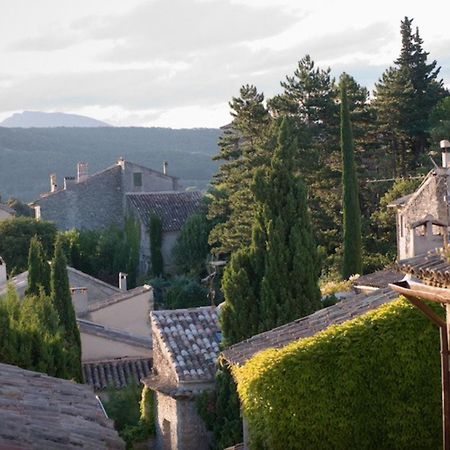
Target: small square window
x: 137, y: 179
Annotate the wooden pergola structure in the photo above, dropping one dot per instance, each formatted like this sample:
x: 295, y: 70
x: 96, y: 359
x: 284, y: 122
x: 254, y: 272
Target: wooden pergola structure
x: 418, y: 294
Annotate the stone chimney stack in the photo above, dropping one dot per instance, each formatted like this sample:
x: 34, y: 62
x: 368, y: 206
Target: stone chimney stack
x: 2, y: 272
x: 79, y: 300
x: 68, y: 181
x: 165, y: 166
x: 53, y: 184
x: 445, y: 148
x: 82, y: 171
x: 122, y: 281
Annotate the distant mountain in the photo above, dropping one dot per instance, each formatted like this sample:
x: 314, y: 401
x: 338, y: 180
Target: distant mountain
x: 29, y: 155
x: 38, y: 119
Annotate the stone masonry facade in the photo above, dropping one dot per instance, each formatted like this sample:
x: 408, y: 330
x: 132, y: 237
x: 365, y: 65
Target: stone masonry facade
x: 98, y: 201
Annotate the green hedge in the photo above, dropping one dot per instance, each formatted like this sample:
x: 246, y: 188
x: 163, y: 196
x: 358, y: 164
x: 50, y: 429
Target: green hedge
x: 372, y: 383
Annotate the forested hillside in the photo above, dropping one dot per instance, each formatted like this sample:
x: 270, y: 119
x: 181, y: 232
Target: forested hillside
x: 27, y: 156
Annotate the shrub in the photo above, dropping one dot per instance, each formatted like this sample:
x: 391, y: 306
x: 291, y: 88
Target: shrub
x: 373, y: 382
x: 185, y: 292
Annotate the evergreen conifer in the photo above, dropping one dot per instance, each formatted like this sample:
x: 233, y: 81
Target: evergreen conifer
x: 352, y: 263
x: 38, y: 269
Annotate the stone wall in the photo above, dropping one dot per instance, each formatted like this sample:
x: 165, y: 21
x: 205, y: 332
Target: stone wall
x: 428, y: 200
x: 96, y: 202
x: 161, y: 362
x: 166, y: 422
x: 152, y: 181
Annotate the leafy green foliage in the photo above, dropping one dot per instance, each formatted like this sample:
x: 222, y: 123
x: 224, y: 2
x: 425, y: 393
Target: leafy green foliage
x: 15, y: 238
x: 191, y: 248
x: 440, y: 121
x: 21, y: 209
x: 30, y: 336
x: 104, y: 253
x: 62, y: 302
x: 38, y: 269
x: 243, y: 148
x: 352, y: 263
x: 275, y: 280
x: 155, y: 232
x: 404, y: 98
x: 373, y: 382
x: 185, y: 292
x: 132, y: 410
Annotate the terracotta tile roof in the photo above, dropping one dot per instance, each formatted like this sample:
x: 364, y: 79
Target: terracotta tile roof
x: 432, y: 268
x: 379, y: 279
x: 172, y: 207
x: 308, y: 326
x: 113, y: 334
x: 191, y: 337
x: 42, y: 412
x: 117, y: 373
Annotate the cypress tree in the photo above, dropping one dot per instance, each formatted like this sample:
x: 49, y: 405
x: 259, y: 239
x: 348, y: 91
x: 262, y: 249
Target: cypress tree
x: 62, y: 301
x: 352, y: 263
x: 38, y: 269
x: 155, y: 246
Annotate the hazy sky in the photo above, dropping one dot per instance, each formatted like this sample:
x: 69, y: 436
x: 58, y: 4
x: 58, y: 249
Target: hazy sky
x: 177, y: 63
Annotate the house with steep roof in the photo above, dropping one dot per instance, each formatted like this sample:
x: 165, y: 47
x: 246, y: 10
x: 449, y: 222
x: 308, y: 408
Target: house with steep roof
x: 41, y: 412
x: 185, y: 350
x: 6, y: 212
x: 173, y: 208
x: 88, y: 202
x: 423, y: 217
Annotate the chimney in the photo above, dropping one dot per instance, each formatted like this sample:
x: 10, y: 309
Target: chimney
x: 165, y: 165
x: 2, y: 272
x: 122, y: 281
x: 82, y: 171
x: 445, y: 148
x: 68, y: 181
x: 53, y: 185
x: 79, y: 300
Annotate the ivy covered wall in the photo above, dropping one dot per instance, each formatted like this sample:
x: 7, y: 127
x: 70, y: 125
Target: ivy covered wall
x: 371, y: 383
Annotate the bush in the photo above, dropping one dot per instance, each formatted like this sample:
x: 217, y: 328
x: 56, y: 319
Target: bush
x: 185, y: 292
x: 132, y: 410
x: 373, y: 382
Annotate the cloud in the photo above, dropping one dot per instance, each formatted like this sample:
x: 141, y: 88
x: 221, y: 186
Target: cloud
x: 45, y: 42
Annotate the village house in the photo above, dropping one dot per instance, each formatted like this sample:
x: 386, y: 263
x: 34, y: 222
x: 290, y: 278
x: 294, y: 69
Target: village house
x: 41, y: 412
x: 423, y: 217
x: 114, y: 326
x: 173, y: 208
x: 185, y: 349
x: 108, y: 197
x: 89, y: 202
x: 6, y: 212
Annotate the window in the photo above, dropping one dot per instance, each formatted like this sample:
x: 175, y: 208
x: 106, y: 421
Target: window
x: 137, y: 179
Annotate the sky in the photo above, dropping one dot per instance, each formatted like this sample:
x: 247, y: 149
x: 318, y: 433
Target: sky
x: 177, y: 63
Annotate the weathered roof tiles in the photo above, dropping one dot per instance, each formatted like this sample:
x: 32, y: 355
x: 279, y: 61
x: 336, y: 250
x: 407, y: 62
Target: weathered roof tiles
x: 42, y: 412
x: 308, y: 326
x: 192, y: 338
x: 116, y: 373
x: 173, y: 208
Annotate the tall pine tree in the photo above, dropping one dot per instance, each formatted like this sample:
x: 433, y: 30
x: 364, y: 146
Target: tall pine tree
x: 352, y: 263
x: 404, y: 98
x: 243, y: 148
x: 62, y: 301
x: 38, y: 269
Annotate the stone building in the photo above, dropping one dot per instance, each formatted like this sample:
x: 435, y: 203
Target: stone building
x: 423, y: 217
x: 6, y: 212
x: 173, y: 208
x: 97, y: 201
x: 42, y: 412
x: 185, y: 349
